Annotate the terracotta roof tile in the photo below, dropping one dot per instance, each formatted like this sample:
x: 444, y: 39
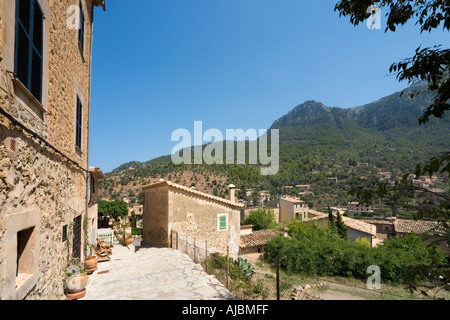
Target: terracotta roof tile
x: 359, y: 225
x: 418, y: 227
x: 258, y: 238
x: 193, y: 191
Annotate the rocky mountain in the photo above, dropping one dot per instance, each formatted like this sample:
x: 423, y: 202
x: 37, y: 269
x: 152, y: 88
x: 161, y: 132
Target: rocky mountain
x: 318, y: 144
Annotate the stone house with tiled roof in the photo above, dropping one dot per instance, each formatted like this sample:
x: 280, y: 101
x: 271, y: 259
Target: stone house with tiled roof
x: 291, y: 208
x: 403, y: 226
x: 46, y: 182
x: 253, y: 242
x: 170, y: 207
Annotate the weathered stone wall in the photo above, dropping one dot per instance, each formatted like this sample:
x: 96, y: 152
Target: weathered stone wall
x: 38, y: 187
x: 286, y: 211
x: 168, y: 209
x: 198, y: 217
x: 69, y: 75
x: 156, y: 217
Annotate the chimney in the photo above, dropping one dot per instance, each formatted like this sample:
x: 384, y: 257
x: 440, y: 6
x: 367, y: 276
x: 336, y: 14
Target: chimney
x: 231, y: 193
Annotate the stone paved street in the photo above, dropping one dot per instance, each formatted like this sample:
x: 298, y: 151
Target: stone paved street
x: 153, y: 274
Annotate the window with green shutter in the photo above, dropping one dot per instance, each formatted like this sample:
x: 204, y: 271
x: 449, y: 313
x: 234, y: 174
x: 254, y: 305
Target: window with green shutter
x: 29, y: 46
x: 222, y: 222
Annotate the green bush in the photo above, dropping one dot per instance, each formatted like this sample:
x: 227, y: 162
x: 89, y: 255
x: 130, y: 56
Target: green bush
x: 136, y: 231
x: 261, y: 219
x: 313, y: 251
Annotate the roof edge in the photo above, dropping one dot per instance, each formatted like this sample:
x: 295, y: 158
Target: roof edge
x: 196, y: 192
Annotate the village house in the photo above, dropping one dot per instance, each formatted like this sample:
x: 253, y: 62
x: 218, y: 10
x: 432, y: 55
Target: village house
x: 355, y: 207
x: 384, y: 228
x: 384, y: 175
x: 46, y: 183
x: 401, y: 227
x: 291, y: 209
x: 303, y: 187
x: 263, y: 196
x: 169, y: 207
x: 253, y: 242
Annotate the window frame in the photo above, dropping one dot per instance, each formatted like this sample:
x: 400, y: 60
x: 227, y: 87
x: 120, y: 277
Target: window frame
x: 219, y: 221
x: 32, y: 49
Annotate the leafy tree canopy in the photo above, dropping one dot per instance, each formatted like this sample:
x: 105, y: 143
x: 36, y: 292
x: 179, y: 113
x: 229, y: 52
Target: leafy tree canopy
x: 428, y: 64
x: 117, y: 208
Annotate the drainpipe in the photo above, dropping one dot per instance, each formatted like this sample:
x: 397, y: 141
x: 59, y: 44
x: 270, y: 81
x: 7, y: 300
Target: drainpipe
x: 88, y: 185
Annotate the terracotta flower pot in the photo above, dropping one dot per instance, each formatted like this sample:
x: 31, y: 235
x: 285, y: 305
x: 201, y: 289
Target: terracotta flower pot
x: 76, y: 296
x: 128, y: 241
x: 91, y: 263
x: 77, y: 283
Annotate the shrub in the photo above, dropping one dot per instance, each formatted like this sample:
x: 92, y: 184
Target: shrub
x: 313, y: 251
x: 261, y: 219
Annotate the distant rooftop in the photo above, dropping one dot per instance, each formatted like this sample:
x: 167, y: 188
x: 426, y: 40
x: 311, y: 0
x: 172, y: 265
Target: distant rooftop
x: 258, y: 238
x: 293, y: 200
x: 418, y: 227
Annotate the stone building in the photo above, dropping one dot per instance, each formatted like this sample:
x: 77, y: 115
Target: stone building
x: 253, y: 243
x: 355, y: 207
x: 45, y: 179
x: 96, y: 175
x: 291, y: 209
x: 169, y: 207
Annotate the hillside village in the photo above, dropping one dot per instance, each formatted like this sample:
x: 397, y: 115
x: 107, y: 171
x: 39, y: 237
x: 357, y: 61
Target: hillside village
x: 156, y: 230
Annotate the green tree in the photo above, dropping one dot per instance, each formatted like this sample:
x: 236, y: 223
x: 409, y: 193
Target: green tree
x: 431, y: 65
x: 117, y: 208
x: 428, y: 64
x: 331, y: 222
x: 256, y: 198
x: 261, y: 219
x: 340, y: 226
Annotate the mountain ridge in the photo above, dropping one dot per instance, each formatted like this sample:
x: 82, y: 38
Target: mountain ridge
x: 318, y: 144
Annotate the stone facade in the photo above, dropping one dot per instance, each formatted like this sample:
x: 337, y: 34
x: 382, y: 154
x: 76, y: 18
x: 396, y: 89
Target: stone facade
x: 169, y: 207
x: 44, y: 177
x: 355, y: 207
x: 291, y: 209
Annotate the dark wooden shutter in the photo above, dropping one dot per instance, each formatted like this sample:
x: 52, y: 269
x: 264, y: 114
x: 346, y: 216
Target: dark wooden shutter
x: 76, y: 246
x: 79, y: 126
x: 81, y: 28
x: 29, y: 45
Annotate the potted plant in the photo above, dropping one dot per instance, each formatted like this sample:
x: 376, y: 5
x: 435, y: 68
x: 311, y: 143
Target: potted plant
x: 121, y: 234
x: 90, y: 264
x: 76, y: 279
x: 91, y: 261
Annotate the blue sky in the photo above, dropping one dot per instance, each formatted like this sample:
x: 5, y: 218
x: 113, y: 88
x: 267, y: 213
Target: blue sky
x: 160, y: 65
